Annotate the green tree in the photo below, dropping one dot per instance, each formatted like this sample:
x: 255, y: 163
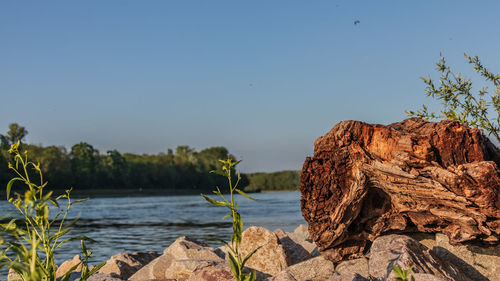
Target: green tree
x: 116, y: 168
x: 458, y: 100
x: 55, y: 164
x: 84, y: 164
x: 16, y: 133
x: 283, y: 180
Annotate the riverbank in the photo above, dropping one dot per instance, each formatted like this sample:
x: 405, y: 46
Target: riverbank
x: 110, y: 192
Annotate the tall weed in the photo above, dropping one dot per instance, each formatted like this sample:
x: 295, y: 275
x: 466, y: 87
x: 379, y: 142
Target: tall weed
x: 236, y: 260
x: 33, y: 238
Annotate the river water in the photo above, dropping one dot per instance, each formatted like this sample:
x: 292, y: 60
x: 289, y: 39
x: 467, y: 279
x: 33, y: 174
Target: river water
x: 130, y: 224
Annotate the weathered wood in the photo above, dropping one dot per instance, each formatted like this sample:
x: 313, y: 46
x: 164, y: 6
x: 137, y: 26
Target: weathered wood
x: 414, y: 176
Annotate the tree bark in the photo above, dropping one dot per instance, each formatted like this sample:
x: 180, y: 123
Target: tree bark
x: 365, y: 180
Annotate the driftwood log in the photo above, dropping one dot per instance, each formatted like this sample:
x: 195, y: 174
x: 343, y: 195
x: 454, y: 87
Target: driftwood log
x: 365, y: 180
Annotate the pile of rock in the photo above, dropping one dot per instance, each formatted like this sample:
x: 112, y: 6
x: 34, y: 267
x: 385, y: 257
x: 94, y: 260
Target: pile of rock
x: 292, y: 256
x: 282, y: 256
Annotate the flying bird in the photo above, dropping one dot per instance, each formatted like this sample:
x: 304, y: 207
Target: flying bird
x: 356, y: 22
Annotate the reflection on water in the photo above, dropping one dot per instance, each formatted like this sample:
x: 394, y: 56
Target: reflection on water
x: 130, y: 224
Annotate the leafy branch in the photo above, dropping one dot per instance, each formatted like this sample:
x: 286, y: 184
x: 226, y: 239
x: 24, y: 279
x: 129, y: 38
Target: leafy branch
x: 458, y: 100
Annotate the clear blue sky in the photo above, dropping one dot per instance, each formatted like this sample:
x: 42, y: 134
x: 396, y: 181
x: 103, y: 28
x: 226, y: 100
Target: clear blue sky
x: 263, y: 78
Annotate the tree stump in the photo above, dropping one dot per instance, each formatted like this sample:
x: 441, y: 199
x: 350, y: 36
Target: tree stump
x: 365, y: 180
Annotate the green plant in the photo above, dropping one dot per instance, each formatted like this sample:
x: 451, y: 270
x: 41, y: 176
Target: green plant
x: 459, y: 102
x: 35, y: 236
x: 403, y: 275
x: 236, y: 261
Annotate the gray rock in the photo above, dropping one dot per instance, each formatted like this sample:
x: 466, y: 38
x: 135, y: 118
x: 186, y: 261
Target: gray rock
x: 124, y: 265
x: 315, y: 269
x: 359, y: 266
x: 404, y: 252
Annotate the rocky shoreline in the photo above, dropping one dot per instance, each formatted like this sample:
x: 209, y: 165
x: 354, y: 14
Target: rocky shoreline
x: 292, y: 256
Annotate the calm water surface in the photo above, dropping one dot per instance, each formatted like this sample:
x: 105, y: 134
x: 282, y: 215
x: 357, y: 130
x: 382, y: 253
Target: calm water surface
x: 129, y: 224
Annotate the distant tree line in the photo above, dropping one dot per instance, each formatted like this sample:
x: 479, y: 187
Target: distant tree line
x: 277, y: 181
x: 83, y: 167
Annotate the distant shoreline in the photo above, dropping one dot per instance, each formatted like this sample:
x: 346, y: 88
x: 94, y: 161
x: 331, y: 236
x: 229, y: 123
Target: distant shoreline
x: 108, y: 192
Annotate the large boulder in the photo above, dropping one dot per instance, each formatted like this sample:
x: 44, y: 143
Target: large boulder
x: 271, y: 258
x: 403, y: 251
x: 365, y: 180
x: 73, y: 265
x: 183, y: 248
x: 124, y: 265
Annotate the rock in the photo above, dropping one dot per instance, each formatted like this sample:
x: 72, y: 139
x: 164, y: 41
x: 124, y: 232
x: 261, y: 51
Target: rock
x: 301, y: 236
x: 68, y: 265
x: 297, y: 244
x: 365, y: 180
x: 153, y: 270
x: 183, y: 248
x: 271, y: 258
x: 222, y: 251
x: 187, y: 248
x: 103, y: 277
x: 296, y: 251
x: 478, y: 263
x: 426, y: 277
x: 315, y: 269
x: 302, y: 233
x: 182, y: 269
x: 283, y: 276
x: 74, y: 276
x: 280, y: 233
x: 404, y: 252
x: 13, y: 276
x: 359, y: 266
x: 348, y: 277
x: 219, y: 272
x: 124, y: 265
x: 426, y: 239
